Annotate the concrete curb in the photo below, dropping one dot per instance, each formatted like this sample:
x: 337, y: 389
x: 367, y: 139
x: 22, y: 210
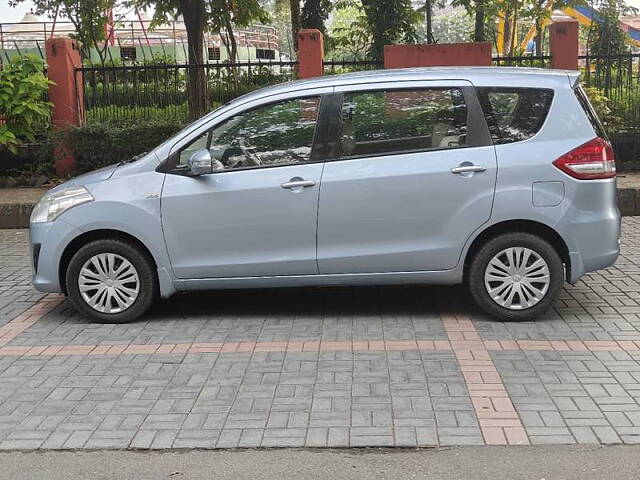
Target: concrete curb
x: 629, y: 201
x: 16, y: 215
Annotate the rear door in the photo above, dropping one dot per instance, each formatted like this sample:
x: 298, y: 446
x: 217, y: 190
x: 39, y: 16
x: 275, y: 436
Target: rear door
x: 414, y: 176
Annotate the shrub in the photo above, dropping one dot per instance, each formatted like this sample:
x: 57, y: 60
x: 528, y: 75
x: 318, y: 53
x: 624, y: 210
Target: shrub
x: 130, y: 114
x: 24, y: 110
x: 99, y: 144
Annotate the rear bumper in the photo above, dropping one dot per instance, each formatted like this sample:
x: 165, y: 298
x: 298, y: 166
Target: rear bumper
x: 593, y: 234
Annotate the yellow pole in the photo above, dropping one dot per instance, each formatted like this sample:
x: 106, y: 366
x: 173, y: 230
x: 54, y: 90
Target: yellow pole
x: 500, y: 40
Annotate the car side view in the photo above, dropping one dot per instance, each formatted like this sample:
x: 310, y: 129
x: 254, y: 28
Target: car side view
x: 499, y: 178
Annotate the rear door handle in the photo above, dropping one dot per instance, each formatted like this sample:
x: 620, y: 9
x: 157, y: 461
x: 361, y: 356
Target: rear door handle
x: 295, y: 184
x: 468, y: 169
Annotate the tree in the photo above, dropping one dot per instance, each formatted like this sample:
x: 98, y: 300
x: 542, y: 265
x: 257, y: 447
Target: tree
x: 88, y: 18
x: 315, y: 13
x: 391, y: 21
x: 199, y: 16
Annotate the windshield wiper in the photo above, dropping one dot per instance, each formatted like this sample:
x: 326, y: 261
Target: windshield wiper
x: 133, y: 159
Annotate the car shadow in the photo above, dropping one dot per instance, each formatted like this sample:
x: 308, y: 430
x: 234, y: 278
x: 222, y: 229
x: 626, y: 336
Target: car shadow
x: 311, y: 301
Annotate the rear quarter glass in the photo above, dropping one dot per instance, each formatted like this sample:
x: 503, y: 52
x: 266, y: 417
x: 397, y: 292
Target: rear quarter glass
x: 514, y: 114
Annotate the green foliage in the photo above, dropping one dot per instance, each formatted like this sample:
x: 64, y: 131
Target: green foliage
x: 452, y: 28
x: 315, y: 14
x: 350, y: 33
x: 606, y: 38
x: 25, y: 113
x: 618, y: 114
x: 99, y: 144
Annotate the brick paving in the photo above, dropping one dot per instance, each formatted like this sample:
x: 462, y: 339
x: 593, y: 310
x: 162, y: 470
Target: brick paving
x: 392, y: 366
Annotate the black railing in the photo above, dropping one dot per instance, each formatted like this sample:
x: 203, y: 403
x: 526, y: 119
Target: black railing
x: 332, y: 67
x: 613, y: 82
x: 541, y: 61
x: 134, y: 92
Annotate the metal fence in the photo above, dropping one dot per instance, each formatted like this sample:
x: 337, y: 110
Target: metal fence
x: 332, y: 67
x: 541, y: 61
x: 616, y: 78
x: 160, y: 91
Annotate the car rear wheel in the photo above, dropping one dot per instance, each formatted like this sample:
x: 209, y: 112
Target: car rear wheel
x: 111, y: 281
x: 515, y: 276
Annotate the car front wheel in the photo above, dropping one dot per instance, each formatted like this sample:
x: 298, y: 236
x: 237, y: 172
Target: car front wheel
x: 111, y: 281
x: 515, y: 276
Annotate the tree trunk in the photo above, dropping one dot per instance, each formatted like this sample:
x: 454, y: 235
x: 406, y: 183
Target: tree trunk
x: 506, y: 46
x: 193, y: 13
x: 539, y: 37
x: 478, y: 31
x: 295, y: 21
x: 232, y: 40
x: 428, y: 13
x: 514, y: 31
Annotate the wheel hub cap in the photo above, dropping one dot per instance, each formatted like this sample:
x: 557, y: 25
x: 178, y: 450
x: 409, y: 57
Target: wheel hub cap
x: 517, y: 278
x: 109, y: 283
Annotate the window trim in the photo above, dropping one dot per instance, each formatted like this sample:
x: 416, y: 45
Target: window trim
x: 585, y: 103
x: 475, y: 121
x: 318, y: 142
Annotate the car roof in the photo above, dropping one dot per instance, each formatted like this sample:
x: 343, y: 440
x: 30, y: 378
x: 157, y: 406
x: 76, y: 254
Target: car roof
x: 479, y: 76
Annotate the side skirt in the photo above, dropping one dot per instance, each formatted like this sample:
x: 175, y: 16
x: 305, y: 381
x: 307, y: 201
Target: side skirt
x: 441, y: 277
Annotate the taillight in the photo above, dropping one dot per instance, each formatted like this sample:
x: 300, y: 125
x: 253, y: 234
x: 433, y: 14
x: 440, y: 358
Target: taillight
x: 590, y: 161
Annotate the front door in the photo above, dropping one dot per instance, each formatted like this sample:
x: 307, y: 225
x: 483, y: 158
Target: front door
x: 256, y: 217
x: 414, y: 177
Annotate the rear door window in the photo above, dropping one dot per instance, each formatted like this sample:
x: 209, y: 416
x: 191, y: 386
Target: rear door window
x: 394, y: 121
x: 514, y: 114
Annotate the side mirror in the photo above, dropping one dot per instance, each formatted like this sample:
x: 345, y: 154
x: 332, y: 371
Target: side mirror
x: 200, y: 163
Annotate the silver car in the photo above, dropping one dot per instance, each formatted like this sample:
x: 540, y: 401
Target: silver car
x: 500, y: 178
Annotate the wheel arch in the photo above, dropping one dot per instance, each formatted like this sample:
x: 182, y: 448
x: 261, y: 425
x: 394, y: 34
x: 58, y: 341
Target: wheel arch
x: 99, y: 234
x: 526, y: 226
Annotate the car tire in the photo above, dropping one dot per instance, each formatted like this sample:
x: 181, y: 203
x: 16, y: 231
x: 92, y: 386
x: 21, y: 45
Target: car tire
x: 117, y: 277
x: 515, y: 276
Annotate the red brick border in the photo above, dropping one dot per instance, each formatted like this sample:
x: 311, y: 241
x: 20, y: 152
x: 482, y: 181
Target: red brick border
x: 499, y: 421
x: 15, y: 327
x: 466, y: 351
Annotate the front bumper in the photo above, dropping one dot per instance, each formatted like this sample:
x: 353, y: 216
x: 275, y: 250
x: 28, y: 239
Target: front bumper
x: 47, y: 244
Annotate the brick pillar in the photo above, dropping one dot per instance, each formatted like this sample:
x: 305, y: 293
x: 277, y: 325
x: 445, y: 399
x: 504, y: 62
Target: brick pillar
x: 310, y: 53
x: 66, y: 94
x: 563, y: 43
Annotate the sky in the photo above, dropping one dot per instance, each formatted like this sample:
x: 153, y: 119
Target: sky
x: 8, y: 14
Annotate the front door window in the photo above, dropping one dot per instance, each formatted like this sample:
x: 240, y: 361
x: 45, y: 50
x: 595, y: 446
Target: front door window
x: 270, y: 135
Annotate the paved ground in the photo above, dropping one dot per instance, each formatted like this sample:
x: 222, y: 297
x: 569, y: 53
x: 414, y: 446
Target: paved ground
x: 460, y: 463
x: 393, y: 366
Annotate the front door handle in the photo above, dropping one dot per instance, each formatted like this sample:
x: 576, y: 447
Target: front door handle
x: 468, y: 169
x: 295, y: 184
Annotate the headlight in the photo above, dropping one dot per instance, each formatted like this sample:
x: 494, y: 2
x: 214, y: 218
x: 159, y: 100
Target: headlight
x: 52, y: 205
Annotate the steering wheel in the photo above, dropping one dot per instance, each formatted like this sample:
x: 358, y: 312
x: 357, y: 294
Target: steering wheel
x: 249, y: 152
